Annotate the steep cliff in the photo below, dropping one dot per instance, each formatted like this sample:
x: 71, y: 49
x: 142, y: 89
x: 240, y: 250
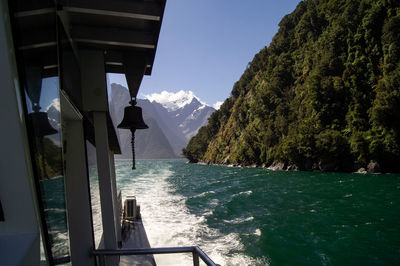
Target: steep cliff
x: 325, y: 94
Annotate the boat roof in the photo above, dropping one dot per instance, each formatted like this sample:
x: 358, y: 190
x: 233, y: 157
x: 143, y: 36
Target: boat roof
x: 112, y: 26
x: 124, y: 30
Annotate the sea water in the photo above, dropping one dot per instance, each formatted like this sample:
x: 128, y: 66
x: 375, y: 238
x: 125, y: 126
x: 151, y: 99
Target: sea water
x: 252, y: 216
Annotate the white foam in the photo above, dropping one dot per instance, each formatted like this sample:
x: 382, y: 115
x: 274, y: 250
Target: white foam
x: 204, y: 194
x: 257, y: 232
x: 55, y: 210
x: 239, y: 220
x: 169, y: 223
x: 246, y: 192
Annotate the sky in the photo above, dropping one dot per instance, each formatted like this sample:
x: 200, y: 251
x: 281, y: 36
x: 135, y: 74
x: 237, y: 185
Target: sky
x: 205, y: 46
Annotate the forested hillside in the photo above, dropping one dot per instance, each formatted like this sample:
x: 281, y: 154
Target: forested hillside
x: 325, y: 94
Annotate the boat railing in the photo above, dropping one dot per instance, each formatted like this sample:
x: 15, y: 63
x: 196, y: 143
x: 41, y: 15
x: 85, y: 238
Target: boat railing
x: 197, y: 253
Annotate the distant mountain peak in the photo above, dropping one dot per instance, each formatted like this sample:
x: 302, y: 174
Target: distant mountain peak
x: 55, y: 103
x: 179, y: 115
x: 217, y: 105
x: 174, y: 100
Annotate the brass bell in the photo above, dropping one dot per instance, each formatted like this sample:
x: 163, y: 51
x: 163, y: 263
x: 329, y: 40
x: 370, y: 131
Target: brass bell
x: 133, y: 119
x: 40, y: 124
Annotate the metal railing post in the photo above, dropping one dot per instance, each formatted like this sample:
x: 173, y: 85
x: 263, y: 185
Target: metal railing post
x: 102, y: 260
x: 196, y: 261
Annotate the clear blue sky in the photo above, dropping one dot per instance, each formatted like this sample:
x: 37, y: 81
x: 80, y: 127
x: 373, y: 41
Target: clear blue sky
x: 205, y: 45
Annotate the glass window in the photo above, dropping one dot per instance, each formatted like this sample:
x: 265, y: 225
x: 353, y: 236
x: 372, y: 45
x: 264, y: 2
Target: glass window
x: 35, y: 43
x: 44, y: 121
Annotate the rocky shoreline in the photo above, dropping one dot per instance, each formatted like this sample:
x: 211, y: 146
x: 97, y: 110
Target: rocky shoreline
x: 373, y: 167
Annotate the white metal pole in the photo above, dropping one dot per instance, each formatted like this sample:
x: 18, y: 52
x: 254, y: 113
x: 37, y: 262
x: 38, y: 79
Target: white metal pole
x: 77, y: 195
x: 105, y: 180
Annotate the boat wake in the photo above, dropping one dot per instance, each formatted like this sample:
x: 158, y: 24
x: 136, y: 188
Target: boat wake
x: 169, y: 223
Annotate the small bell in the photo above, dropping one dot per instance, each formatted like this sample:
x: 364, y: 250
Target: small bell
x: 40, y: 124
x: 133, y: 119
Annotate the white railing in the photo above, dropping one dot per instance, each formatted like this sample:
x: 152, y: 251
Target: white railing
x: 196, y: 252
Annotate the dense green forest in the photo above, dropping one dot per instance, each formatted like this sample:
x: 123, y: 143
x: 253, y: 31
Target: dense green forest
x: 325, y: 94
x: 52, y: 156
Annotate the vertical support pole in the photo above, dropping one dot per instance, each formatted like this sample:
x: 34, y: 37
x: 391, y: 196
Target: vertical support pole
x: 115, y: 198
x: 196, y: 261
x: 94, y: 99
x: 77, y: 195
x: 105, y: 184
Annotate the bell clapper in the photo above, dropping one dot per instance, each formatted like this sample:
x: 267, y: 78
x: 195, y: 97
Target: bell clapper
x: 133, y: 148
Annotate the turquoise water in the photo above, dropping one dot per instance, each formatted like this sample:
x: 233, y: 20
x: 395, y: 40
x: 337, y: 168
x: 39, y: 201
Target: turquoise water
x: 53, y: 200
x: 248, y: 216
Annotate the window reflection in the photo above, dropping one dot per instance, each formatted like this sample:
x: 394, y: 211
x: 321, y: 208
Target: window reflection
x: 38, y: 70
x: 44, y: 117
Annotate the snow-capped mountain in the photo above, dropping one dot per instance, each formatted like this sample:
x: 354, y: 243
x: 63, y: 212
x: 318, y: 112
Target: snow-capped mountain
x: 191, y: 117
x: 185, y: 109
x: 178, y: 116
x: 53, y: 112
x: 151, y: 143
x: 173, y: 101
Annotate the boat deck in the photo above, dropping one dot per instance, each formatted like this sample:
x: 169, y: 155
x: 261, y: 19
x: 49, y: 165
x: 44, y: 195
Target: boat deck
x: 134, y: 236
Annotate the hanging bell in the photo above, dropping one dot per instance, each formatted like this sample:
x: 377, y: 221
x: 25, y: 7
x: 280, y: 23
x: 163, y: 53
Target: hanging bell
x: 133, y: 119
x: 40, y: 124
